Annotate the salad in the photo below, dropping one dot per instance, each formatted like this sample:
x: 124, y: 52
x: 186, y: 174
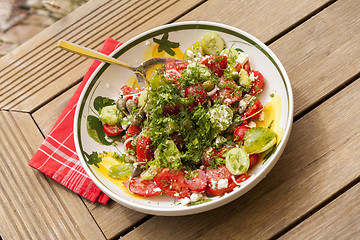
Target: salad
x: 191, y: 133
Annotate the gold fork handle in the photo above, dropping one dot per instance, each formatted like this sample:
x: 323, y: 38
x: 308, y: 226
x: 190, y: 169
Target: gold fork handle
x: 87, y: 52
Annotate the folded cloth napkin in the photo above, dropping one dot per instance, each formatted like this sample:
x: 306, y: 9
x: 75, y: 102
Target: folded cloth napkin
x: 57, y: 156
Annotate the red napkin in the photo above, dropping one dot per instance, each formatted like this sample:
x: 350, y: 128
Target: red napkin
x: 57, y: 156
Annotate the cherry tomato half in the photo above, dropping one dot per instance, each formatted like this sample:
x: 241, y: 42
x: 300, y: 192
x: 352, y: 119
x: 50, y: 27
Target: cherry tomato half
x: 213, y: 176
x: 142, y: 187
x: 239, y: 133
x: 258, y: 83
x: 254, y: 158
x: 132, y: 131
x: 196, y: 180
x: 215, y: 64
x: 112, y: 130
x: 172, y: 182
x: 144, y: 151
x: 178, y: 66
x: 197, y: 93
x: 256, y: 107
x: 208, y: 156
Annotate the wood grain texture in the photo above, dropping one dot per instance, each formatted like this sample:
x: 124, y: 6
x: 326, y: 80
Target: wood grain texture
x: 263, y: 19
x: 37, y: 70
x: 107, y: 216
x: 310, y: 170
x: 31, y: 205
x: 316, y: 55
x: 338, y: 220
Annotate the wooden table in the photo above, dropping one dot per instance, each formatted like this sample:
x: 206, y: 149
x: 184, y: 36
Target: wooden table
x: 312, y: 192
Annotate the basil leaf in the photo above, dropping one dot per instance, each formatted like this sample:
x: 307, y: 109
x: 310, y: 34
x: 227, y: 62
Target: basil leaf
x: 96, y: 131
x: 93, y: 158
x: 101, y: 102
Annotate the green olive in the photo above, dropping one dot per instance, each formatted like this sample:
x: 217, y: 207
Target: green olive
x: 208, y: 85
x: 121, y: 104
x: 130, y: 105
x: 136, y: 119
x: 136, y: 170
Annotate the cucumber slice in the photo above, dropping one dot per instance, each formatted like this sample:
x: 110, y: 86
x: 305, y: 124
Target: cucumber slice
x: 237, y: 161
x: 212, y: 43
x: 259, y: 139
x: 244, y: 79
x: 110, y: 115
x: 194, y: 51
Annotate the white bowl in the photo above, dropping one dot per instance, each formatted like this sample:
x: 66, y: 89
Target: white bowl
x: 108, y: 79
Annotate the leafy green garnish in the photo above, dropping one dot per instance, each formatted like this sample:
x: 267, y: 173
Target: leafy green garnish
x: 200, y: 202
x: 101, y: 102
x: 166, y: 45
x: 96, y: 131
x: 93, y: 159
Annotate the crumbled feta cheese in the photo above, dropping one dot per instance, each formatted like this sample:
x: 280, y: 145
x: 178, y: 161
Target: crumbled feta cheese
x: 190, y: 54
x: 252, y: 77
x: 223, y: 183
x: 176, y: 194
x: 157, y: 189
x: 184, y: 201
x: 242, y: 58
x: 195, y: 197
x: 262, y: 116
x: 214, y: 184
x: 252, y: 124
x: 107, y: 85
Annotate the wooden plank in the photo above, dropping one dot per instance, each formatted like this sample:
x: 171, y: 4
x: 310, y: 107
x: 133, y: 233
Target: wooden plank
x: 31, y: 205
x: 309, y: 164
x: 106, y: 216
x: 311, y: 169
x: 313, y: 53
x: 36, y: 71
x: 263, y: 19
x: 338, y: 220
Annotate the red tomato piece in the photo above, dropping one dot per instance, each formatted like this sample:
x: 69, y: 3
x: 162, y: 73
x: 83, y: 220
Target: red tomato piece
x: 239, y: 133
x: 246, y: 66
x: 176, y: 65
x: 142, y: 187
x: 229, y: 84
x: 128, y: 145
x: 171, y: 109
x: 229, y: 96
x: 256, y: 107
x: 173, y: 75
x: 224, y: 149
x: 196, y: 92
x: 213, y: 176
x: 144, y: 151
x: 172, y: 182
x: 208, y: 156
x: 112, y: 130
x: 239, y: 179
x: 132, y: 131
x: 215, y: 64
x: 131, y: 93
x: 258, y: 83
x: 254, y: 158
x: 196, y: 180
